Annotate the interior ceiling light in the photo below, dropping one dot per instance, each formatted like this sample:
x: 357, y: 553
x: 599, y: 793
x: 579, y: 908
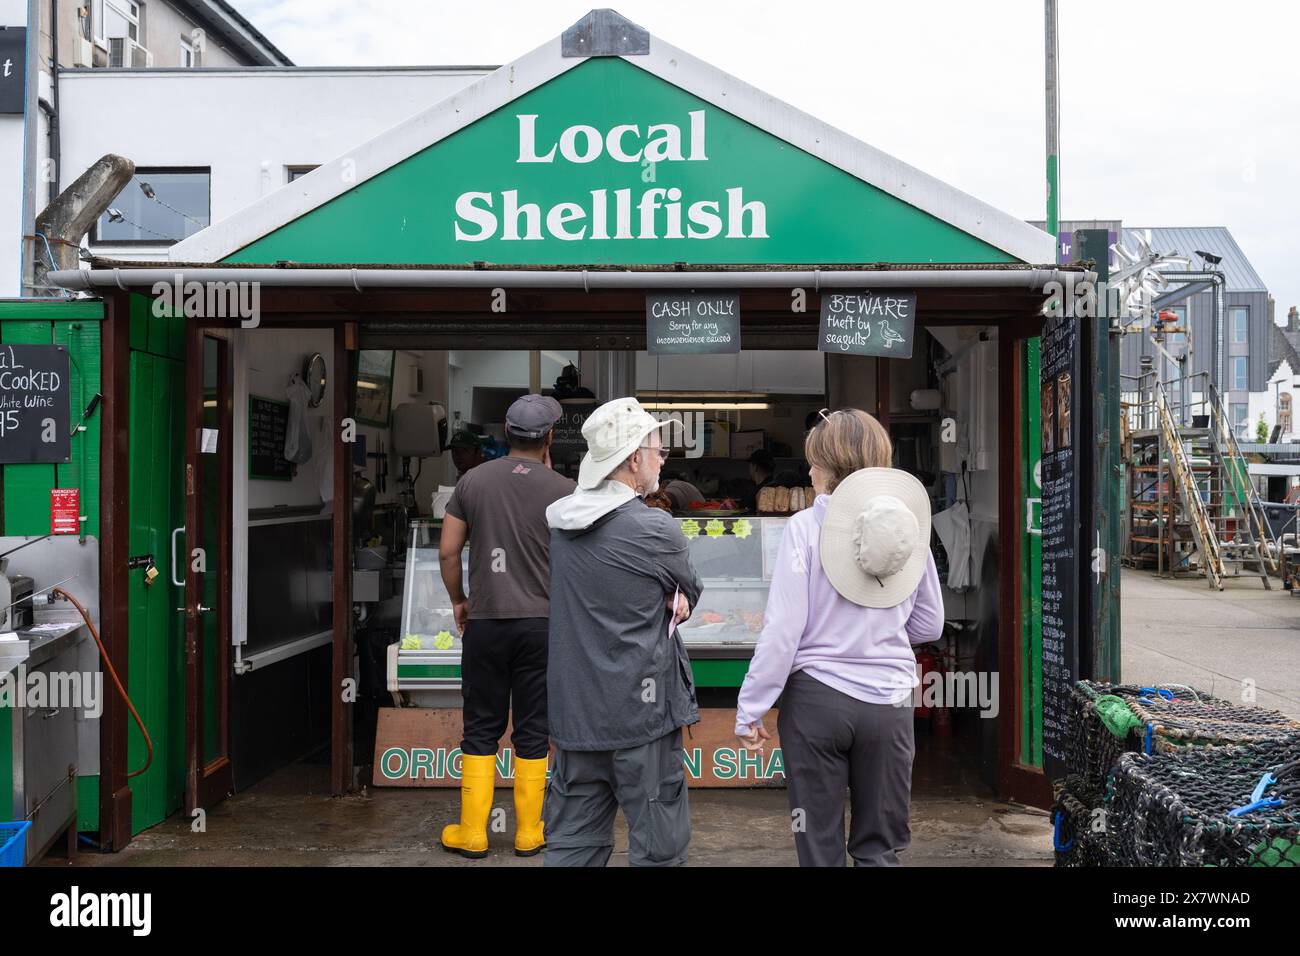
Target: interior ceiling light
x: 705, y: 406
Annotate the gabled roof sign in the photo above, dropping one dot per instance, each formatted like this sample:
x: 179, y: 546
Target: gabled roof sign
x: 633, y: 153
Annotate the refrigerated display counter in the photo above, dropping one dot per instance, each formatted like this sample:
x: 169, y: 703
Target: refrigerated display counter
x: 733, y: 555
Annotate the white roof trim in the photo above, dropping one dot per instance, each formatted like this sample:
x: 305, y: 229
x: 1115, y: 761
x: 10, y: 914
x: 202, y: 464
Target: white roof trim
x: 387, y: 149
x: 858, y: 159
x: 999, y: 229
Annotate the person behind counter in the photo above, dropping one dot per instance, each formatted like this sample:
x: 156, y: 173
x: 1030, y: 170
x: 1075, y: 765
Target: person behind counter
x: 621, y: 579
x: 500, y: 507
x: 854, y: 587
x: 674, y: 494
x: 761, y: 469
x: 466, y: 452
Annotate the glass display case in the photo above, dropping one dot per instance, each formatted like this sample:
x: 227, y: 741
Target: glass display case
x: 427, y: 654
x: 734, y: 557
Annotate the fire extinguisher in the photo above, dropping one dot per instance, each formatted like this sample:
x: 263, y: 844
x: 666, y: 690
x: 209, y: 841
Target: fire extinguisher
x: 930, y: 661
x: 926, y: 662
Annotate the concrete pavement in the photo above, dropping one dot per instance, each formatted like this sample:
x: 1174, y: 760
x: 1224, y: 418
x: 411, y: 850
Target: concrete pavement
x: 1173, y: 632
x: 1181, y: 631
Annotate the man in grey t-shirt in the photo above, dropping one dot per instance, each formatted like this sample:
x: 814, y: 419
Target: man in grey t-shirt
x: 500, y: 508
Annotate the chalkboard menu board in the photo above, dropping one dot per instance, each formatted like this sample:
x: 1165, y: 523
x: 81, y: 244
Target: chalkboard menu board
x: 567, y: 444
x: 1059, y: 378
x: 268, y: 420
x: 35, y: 423
x: 690, y: 323
x: 865, y: 323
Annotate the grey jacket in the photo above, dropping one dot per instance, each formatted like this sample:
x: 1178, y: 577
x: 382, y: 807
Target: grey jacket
x: 615, y: 679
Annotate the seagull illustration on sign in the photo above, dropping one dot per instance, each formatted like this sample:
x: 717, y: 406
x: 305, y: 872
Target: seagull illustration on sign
x: 889, y: 334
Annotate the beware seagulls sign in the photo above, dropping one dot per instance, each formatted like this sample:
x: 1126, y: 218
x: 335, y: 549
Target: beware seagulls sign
x: 863, y: 323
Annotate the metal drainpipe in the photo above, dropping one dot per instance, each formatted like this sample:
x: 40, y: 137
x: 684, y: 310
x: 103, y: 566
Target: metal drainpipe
x: 55, y: 145
x: 51, y: 109
x: 1217, y: 349
x: 1220, y: 350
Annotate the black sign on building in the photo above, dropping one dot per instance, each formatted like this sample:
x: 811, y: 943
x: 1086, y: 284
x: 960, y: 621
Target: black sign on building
x: 692, y: 323
x: 1059, y: 380
x: 866, y: 323
x: 13, y: 69
x: 34, y: 410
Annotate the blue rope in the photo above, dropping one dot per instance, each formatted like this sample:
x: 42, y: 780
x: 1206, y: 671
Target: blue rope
x: 1056, y: 835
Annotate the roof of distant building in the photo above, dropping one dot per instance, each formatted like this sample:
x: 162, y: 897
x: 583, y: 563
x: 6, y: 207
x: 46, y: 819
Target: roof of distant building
x: 1239, y: 274
x: 236, y: 29
x: 1283, y: 345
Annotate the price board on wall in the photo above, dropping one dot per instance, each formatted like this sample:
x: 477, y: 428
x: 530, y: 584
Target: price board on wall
x: 1059, y: 434
x: 34, y: 404
x: 268, y: 422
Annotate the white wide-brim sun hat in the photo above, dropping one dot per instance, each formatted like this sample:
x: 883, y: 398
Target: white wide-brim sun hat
x: 613, y: 432
x: 875, y: 538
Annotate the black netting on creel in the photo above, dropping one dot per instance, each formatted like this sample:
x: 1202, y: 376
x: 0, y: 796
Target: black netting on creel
x: 1079, y: 835
x: 1162, y: 719
x: 1172, y: 808
x: 1212, y: 722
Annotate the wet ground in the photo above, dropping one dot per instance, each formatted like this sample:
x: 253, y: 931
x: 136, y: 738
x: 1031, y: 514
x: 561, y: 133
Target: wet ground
x: 1173, y: 632
x: 289, y: 819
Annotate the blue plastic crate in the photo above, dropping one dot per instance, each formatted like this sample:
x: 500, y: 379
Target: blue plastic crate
x: 13, y: 843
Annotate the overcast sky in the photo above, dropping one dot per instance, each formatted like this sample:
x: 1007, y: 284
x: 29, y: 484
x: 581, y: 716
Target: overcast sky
x: 1175, y: 114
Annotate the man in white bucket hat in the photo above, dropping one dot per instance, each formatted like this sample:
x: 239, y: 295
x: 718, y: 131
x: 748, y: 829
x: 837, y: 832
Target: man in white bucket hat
x: 854, y: 587
x: 619, y: 680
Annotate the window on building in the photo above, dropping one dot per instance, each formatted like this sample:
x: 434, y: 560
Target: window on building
x: 158, y: 206
x: 117, y: 18
x: 1240, y: 413
x: 1240, y: 372
x: 1240, y: 324
x: 1284, y: 412
x: 187, y: 53
x: 297, y: 172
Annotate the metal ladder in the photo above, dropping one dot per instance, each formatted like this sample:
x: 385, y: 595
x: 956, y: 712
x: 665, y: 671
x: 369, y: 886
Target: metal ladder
x: 1190, y: 492
x: 1252, y: 531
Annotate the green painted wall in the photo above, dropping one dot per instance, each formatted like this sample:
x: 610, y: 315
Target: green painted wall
x: 25, y: 506
x: 155, y: 677
x: 815, y: 213
x: 1031, y: 569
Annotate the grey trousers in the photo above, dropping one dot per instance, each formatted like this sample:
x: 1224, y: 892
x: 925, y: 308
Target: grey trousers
x: 830, y: 741
x: 587, y: 786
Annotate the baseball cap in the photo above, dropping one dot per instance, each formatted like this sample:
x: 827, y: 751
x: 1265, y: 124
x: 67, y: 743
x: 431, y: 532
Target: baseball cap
x: 532, y: 416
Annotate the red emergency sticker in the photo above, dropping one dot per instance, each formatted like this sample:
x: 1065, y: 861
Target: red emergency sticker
x: 65, y: 510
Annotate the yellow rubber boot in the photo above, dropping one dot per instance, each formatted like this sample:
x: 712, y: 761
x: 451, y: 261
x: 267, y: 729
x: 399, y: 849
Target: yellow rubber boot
x: 530, y: 789
x: 469, y: 837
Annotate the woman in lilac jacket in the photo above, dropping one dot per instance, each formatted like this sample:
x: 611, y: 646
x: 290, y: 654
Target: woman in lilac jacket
x: 842, y: 617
